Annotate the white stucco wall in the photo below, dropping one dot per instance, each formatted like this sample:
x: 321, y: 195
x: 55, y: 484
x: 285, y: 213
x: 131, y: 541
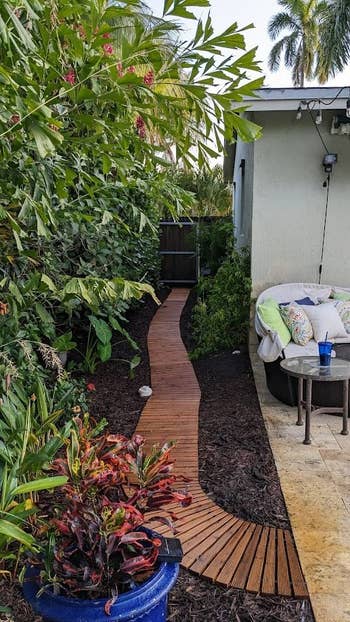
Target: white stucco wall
x: 289, y: 203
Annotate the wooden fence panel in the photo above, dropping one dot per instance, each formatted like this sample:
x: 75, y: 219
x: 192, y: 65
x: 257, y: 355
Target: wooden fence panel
x: 179, y: 252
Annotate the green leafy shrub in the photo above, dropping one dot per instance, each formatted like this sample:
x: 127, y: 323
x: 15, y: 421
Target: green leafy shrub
x: 95, y: 97
x: 213, y: 196
x: 221, y: 315
x: 97, y: 100
x: 215, y: 241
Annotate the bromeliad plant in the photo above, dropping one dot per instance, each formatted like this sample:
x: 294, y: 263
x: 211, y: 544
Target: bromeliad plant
x: 93, y: 544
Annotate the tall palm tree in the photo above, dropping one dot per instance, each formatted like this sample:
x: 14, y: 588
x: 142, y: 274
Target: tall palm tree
x: 334, y: 52
x: 302, y: 19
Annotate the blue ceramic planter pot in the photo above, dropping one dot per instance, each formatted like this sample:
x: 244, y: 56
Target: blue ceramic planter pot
x: 147, y: 603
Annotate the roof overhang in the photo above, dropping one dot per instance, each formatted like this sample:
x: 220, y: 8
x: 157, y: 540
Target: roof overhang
x: 291, y: 98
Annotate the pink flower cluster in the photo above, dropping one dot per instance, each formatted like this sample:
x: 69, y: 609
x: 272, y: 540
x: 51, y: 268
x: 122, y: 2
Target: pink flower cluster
x: 108, y: 48
x: 15, y: 118
x: 148, y: 78
x: 130, y: 69
x: 140, y: 127
x: 70, y: 77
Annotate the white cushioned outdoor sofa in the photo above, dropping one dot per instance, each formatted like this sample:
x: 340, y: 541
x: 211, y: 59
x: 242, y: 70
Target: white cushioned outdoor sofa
x: 272, y: 350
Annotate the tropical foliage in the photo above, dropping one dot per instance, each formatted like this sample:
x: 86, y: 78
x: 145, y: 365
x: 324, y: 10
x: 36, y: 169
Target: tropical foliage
x: 334, y: 51
x: 213, y: 197
x: 98, y: 101
x: 93, y: 545
x: 29, y: 440
x: 221, y: 315
x: 215, y: 242
x: 95, y: 96
x: 300, y: 47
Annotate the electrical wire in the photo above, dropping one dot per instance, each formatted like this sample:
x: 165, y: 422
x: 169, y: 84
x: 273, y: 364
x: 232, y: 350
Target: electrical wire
x: 318, y: 130
x: 308, y: 104
x: 324, y: 101
x: 324, y: 230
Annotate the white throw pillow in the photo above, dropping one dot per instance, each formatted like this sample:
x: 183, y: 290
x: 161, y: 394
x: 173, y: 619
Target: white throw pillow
x: 325, y: 320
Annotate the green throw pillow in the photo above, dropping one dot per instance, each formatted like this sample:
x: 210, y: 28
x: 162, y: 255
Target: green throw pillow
x: 269, y: 312
x: 340, y: 296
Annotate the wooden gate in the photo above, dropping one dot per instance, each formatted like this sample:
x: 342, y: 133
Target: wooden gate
x: 179, y: 250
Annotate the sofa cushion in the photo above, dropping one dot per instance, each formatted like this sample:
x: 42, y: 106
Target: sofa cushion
x: 293, y: 349
x: 269, y: 312
x: 326, y: 322
x: 297, y: 322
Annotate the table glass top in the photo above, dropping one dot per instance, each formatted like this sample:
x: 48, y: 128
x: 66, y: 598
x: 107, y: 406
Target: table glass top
x: 309, y: 366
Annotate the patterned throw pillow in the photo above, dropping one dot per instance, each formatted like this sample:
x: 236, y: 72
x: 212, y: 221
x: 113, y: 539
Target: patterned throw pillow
x: 298, y: 323
x: 343, y: 308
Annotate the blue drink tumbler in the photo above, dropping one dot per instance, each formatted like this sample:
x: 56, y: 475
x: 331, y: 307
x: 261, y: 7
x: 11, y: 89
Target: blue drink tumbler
x: 325, y: 352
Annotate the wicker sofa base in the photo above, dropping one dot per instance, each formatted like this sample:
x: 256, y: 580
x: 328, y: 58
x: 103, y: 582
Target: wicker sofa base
x: 285, y: 388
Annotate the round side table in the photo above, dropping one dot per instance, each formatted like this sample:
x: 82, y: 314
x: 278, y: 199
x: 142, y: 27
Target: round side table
x: 308, y: 368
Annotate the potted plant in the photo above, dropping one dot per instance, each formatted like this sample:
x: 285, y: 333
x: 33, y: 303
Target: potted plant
x: 98, y: 562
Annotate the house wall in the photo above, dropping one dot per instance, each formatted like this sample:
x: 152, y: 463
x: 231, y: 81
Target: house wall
x: 243, y: 193
x: 289, y: 203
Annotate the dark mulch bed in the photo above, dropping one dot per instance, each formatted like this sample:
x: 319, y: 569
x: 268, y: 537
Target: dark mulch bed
x: 237, y: 467
x: 236, y: 461
x: 116, y: 397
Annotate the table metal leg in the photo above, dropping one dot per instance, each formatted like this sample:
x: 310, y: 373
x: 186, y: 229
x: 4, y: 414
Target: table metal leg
x: 307, y: 440
x: 300, y: 401
x: 345, y: 430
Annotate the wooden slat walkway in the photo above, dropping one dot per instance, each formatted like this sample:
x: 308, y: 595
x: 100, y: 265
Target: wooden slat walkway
x: 217, y: 545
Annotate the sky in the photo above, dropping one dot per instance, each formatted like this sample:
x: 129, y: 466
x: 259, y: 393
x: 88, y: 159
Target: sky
x: 258, y: 12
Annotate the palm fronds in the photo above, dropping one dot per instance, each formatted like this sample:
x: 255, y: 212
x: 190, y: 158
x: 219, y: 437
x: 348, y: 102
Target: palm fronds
x: 301, y: 19
x: 334, y: 52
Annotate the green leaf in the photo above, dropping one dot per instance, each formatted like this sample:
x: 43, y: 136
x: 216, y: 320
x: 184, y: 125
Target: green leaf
x: 135, y: 361
x: 48, y: 281
x: 23, y: 33
x: 77, y: 287
x: 16, y: 533
x: 16, y: 293
x: 41, y: 400
x: 64, y: 343
x: 43, y: 142
x: 246, y: 130
x: 118, y: 327
x: 102, y: 330
x: 104, y: 351
x: 43, y: 314
x: 45, y: 483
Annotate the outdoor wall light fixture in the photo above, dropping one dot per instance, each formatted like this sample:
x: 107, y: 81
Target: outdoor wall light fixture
x: 318, y: 119
x: 299, y: 113
x: 328, y: 162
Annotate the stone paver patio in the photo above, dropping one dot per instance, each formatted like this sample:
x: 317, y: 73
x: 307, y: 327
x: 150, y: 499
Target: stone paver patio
x: 315, y: 481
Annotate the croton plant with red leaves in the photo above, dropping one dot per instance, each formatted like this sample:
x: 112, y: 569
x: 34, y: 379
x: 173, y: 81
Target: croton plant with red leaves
x: 92, y: 542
